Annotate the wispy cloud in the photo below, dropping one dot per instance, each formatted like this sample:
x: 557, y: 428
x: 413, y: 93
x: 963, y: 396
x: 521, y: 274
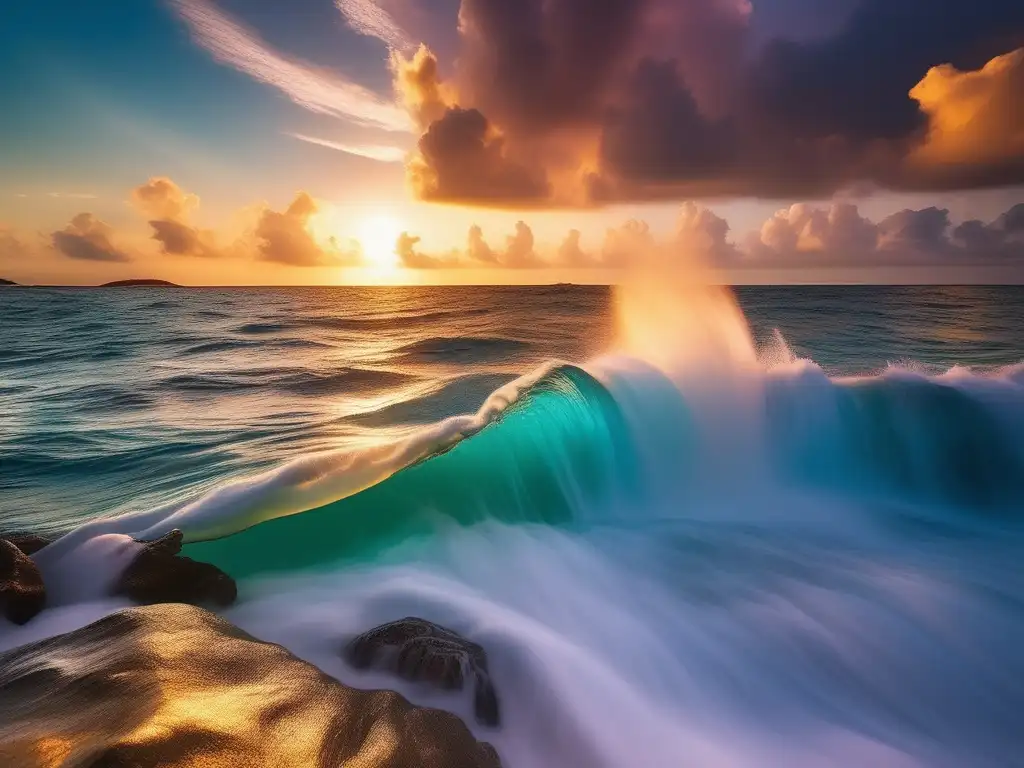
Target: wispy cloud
x: 314, y: 88
x: 378, y: 152
x: 71, y: 195
x: 368, y: 18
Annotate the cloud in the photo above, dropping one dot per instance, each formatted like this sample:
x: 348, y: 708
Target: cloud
x: 461, y: 156
x: 658, y: 133
x: 314, y: 88
x: 1012, y: 222
x: 808, y: 236
x: 804, y: 233
x: 70, y: 195
x: 477, y: 248
x: 419, y: 88
x: 519, y: 252
x: 170, y: 209
x: 89, y: 239
x: 367, y: 18
x: 462, y: 159
x: 161, y: 198
x: 379, y: 152
x: 570, y: 254
x: 623, y: 243
x: 975, y: 123
x: 1002, y: 238
x: 570, y: 102
x: 922, y: 232
x: 411, y: 258
x: 12, y: 246
x: 284, y: 237
x: 800, y: 236
x: 702, y: 232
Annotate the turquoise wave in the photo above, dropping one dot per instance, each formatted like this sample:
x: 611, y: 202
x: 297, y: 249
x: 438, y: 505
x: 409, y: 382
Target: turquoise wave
x: 926, y: 441
x: 562, y: 446
x: 571, y: 449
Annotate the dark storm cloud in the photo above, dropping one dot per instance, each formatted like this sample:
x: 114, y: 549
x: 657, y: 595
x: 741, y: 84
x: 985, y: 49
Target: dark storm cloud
x: 532, y: 65
x: 659, y: 134
x: 643, y: 99
x: 89, y: 239
x: 855, y: 84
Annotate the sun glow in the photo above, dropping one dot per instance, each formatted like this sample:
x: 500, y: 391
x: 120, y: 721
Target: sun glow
x: 378, y: 236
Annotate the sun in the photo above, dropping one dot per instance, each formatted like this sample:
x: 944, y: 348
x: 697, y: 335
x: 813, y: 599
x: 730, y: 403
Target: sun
x: 378, y: 236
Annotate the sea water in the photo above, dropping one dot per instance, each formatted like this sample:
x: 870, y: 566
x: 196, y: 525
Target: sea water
x: 696, y: 527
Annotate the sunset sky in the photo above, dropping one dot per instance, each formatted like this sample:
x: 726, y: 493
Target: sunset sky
x: 486, y: 141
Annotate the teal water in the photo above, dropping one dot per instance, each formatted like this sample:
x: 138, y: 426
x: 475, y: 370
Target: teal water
x: 806, y: 556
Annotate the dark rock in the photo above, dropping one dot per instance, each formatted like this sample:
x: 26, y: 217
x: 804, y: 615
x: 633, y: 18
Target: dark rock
x: 22, y: 593
x: 140, y: 283
x: 28, y: 543
x: 160, y: 575
x: 420, y: 650
x: 177, y: 687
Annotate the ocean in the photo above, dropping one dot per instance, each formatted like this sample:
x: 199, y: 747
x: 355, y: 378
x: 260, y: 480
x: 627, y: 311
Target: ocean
x: 767, y: 526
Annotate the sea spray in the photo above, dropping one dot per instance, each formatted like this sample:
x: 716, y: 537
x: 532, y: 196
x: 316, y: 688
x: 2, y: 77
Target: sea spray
x: 675, y: 317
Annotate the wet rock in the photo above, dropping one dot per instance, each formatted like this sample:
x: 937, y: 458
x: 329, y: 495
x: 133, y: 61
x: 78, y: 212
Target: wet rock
x: 22, y: 593
x: 176, y: 686
x: 28, y: 543
x: 159, y: 574
x: 420, y: 650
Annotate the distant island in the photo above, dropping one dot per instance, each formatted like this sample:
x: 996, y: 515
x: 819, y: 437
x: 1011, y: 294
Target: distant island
x: 7, y: 282
x: 149, y: 283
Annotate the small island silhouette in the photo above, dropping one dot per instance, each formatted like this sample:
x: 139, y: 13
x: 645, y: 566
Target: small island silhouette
x: 7, y: 282
x: 144, y: 282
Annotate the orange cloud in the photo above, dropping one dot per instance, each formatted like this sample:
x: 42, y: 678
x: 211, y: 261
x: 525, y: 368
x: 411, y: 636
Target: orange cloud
x: 161, y: 198
x: 284, y: 237
x: 571, y: 254
x: 975, y: 119
x: 419, y: 88
x: 170, y: 209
